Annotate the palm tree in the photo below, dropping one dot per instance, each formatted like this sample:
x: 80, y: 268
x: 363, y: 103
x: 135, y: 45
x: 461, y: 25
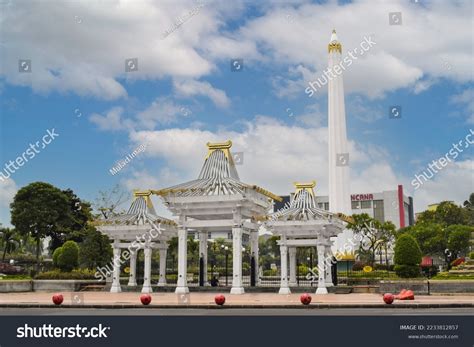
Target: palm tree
x: 10, y: 240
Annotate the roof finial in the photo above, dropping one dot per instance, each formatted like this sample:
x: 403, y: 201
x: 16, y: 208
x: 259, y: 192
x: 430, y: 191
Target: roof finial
x: 334, y: 44
x: 305, y: 186
x: 223, y: 146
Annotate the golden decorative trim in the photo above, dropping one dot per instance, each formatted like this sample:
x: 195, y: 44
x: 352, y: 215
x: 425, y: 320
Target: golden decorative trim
x: 335, y: 46
x: 345, y: 218
x: 223, y: 146
x: 266, y: 193
x: 305, y: 186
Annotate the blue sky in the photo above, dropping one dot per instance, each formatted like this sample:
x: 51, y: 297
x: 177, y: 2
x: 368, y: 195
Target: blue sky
x: 184, y: 93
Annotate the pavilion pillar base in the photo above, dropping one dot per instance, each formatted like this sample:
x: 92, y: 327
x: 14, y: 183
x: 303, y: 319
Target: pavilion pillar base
x: 329, y: 284
x: 132, y: 284
x: 147, y: 289
x: 294, y: 284
x: 181, y: 290
x: 284, y: 291
x: 115, y: 289
x: 321, y: 290
x: 161, y: 284
x: 237, y: 290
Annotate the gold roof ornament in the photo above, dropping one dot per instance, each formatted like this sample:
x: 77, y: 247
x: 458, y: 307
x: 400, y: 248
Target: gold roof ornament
x: 334, y: 44
x: 305, y: 186
x: 223, y: 146
x: 145, y: 194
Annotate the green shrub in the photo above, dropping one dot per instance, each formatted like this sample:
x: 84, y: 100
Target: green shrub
x: 407, y: 271
x: 471, y: 255
x: 56, y: 254
x: 68, y: 257
x: 407, y: 257
x: 78, y: 274
x: 407, y: 251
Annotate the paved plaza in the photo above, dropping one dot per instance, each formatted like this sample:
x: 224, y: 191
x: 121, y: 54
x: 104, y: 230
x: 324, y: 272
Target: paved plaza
x: 206, y: 300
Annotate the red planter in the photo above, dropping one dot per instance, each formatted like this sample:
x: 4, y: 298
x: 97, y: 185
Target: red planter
x: 388, y: 298
x: 145, y: 299
x: 305, y: 299
x: 58, y: 299
x: 219, y: 299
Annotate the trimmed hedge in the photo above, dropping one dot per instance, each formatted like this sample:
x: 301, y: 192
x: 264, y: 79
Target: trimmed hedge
x: 80, y: 274
x: 68, y: 257
x: 407, y: 257
x: 407, y: 271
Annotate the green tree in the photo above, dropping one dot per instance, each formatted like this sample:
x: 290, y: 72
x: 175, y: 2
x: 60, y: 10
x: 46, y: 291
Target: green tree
x: 458, y: 239
x: 95, y: 249
x: 39, y: 210
x: 430, y: 237
x: 445, y: 214
x: 374, y: 235
x: 10, y: 241
x: 407, y: 256
x: 68, y: 258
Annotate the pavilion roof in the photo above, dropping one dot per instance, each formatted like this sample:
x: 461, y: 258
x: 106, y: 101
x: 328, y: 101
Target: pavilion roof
x: 302, y: 207
x: 218, y: 176
x: 141, y: 212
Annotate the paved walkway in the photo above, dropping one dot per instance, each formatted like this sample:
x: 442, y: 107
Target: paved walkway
x: 264, y: 300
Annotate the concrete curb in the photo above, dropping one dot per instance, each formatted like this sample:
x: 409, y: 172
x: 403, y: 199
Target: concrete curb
x: 232, y: 306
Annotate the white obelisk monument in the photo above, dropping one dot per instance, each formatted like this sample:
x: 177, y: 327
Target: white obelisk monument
x: 339, y: 159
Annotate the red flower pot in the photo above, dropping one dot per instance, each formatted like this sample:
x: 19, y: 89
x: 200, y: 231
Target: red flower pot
x: 305, y: 299
x: 145, y: 299
x: 388, y: 298
x: 219, y: 299
x: 58, y: 299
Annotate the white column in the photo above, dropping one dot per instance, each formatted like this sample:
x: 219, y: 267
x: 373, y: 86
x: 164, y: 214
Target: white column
x: 321, y: 271
x: 182, y: 285
x: 132, y: 279
x: 328, y: 262
x: 203, y: 252
x: 162, y: 280
x: 116, y: 273
x: 147, y: 271
x: 255, y: 254
x: 237, y: 287
x: 292, y: 254
x: 284, y: 288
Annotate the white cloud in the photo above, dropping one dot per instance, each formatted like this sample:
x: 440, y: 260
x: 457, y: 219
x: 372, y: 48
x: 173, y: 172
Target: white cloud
x: 466, y: 99
x: 401, y: 57
x: 454, y: 183
x: 193, y: 87
x: 275, y: 155
x: 81, y: 47
x: 112, y: 120
x: 162, y: 111
x: 8, y: 190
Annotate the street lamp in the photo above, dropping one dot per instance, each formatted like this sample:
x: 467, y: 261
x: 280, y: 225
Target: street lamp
x: 226, y: 249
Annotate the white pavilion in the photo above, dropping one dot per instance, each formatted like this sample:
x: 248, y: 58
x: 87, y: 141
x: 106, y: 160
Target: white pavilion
x: 217, y: 201
x: 302, y: 224
x: 139, y: 228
